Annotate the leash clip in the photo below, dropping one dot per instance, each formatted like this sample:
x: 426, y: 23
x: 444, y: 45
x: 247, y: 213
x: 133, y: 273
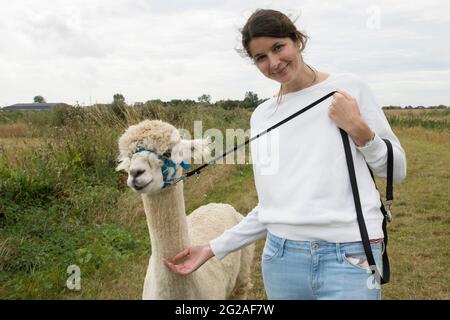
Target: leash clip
x: 388, y: 210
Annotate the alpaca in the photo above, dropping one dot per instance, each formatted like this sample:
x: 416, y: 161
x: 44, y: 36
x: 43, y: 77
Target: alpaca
x: 170, y: 229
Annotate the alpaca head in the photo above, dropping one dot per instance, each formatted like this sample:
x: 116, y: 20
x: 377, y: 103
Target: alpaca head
x: 153, y: 153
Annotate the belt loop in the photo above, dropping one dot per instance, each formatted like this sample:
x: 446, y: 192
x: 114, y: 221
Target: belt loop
x: 338, y: 252
x: 283, y: 241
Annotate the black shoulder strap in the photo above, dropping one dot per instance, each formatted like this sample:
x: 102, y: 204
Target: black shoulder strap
x: 390, y: 177
x: 360, y: 218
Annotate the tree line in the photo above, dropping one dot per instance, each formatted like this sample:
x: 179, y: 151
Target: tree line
x: 250, y: 101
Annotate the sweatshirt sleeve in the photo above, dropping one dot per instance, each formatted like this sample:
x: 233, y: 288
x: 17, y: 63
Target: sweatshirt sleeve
x: 247, y: 231
x: 375, y: 152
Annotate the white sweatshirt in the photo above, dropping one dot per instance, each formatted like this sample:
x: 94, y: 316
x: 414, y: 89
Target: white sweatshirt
x: 301, y: 175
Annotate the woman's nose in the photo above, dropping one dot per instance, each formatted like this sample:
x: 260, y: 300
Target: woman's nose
x: 274, y: 62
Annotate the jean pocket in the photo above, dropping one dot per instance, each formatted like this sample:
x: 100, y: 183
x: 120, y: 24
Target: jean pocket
x: 358, y: 260
x: 270, y: 250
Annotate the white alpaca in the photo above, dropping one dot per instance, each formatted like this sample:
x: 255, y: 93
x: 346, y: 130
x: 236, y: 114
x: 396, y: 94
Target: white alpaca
x: 170, y: 229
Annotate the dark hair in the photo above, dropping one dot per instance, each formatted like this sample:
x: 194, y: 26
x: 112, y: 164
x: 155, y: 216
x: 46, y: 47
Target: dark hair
x: 270, y: 23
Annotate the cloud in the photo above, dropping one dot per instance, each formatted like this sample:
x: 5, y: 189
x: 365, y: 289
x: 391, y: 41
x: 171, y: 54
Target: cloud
x: 84, y: 50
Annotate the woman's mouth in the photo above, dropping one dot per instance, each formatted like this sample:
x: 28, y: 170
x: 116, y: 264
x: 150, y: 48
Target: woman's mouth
x: 282, y: 72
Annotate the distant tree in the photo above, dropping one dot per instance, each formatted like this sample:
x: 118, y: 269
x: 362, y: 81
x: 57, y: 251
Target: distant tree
x: 118, y: 97
x: 251, y: 100
x: 205, y: 98
x: 156, y: 102
x: 181, y: 103
x: 391, y: 107
x: 262, y: 100
x: 176, y: 102
x: 119, y: 106
x: 39, y: 99
x: 228, y: 104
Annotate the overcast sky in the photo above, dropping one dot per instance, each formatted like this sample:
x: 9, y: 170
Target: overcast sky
x: 87, y: 50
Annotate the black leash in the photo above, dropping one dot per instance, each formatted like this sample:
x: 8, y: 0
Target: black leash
x: 292, y: 116
x: 360, y: 218
x: 359, y: 215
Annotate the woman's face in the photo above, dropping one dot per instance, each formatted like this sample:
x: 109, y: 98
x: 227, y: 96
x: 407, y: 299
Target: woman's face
x: 277, y: 58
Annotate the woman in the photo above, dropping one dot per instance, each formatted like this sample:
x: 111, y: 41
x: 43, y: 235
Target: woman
x: 313, y: 248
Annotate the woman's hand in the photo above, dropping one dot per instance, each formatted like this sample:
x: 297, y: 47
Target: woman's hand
x: 344, y: 111
x: 194, y: 258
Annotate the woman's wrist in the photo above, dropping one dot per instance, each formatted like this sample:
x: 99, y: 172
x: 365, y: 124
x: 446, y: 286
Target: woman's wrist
x: 361, y: 133
x: 209, y: 251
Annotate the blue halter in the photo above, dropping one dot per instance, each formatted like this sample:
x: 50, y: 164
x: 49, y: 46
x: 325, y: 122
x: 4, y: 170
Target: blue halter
x: 167, y: 163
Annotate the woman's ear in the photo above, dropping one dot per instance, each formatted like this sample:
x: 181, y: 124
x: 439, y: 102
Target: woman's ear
x: 298, y: 44
x: 197, y: 149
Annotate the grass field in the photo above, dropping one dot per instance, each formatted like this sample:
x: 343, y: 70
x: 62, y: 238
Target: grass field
x: 62, y: 203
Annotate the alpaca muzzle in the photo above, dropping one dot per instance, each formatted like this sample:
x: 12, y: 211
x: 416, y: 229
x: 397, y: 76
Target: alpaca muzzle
x: 168, y: 169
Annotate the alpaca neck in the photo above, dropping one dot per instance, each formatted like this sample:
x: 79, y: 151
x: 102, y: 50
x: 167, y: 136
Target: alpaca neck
x: 166, y: 220
x: 167, y: 224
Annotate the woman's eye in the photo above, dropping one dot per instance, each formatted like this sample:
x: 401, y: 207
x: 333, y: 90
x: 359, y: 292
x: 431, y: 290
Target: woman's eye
x: 260, y: 58
x: 277, y: 48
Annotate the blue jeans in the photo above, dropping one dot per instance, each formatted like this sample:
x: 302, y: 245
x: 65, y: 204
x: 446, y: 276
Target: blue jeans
x: 315, y: 270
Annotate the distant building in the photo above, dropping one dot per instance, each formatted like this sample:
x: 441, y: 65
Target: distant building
x: 32, y: 106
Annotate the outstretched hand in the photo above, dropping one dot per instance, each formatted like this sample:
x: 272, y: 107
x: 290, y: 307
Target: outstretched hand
x: 193, y: 257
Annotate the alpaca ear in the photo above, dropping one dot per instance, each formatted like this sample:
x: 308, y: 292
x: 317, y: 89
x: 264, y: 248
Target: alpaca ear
x: 185, y: 150
x: 124, y: 164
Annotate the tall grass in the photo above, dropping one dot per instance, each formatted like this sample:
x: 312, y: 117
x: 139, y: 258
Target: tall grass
x: 62, y: 203
x: 436, y: 119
